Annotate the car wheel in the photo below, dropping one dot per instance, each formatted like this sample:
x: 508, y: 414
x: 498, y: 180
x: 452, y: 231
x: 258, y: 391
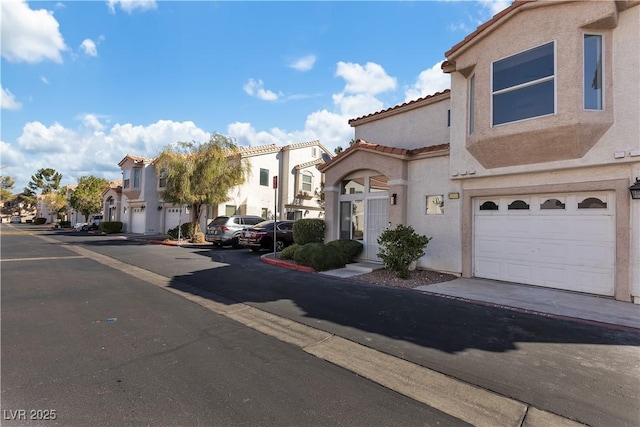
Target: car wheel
x: 235, y: 244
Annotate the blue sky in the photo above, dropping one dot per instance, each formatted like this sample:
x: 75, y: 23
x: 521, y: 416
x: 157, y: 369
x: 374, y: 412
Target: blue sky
x: 86, y: 83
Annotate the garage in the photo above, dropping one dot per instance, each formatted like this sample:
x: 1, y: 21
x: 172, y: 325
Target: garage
x: 138, y: 221
x: 562, y: 241
x: 171, y: 218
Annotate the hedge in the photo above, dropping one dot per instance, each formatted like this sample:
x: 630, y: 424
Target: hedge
x: 308, y: 230
x: 111, y: 227
x: 318, y: 256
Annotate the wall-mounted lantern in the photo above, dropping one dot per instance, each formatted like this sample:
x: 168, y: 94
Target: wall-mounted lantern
x: 635, y: 190
x: 393, y: 199
x: 143, y: 207
x: 159, y: 208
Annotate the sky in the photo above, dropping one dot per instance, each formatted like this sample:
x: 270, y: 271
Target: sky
x: 84, y: 83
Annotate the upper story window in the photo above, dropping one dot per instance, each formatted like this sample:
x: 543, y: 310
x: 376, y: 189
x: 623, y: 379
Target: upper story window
x: 126, y: 178
x: 162, y: 179
x: 264, y: 177
x: 592, y: 82
x: 472, y: 100
x: 306, y: 181
x: 523, y: 85
x: 137, y: 173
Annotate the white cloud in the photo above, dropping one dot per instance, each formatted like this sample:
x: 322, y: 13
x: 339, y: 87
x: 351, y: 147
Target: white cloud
x: 495, y: 6
x: 10, y: 157
x: 351, y: 106
x: 371, y: 78
x: 429, y: 81
x: 44, y: 80
x: 29, y: 35
x: 130, y: 5
x: 8, y: 101
x: 305, y: 63
x: 256, y: 88
x: 38, y: 138
x: 89, y: 47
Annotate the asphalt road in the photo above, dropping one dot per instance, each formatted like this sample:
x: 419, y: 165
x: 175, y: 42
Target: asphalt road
x: 88, y: 345
x: 582, y: 372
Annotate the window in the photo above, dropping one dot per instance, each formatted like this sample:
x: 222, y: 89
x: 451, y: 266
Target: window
x: 523, y: 85
x: 352, y: 186
x: 264, y: 177
x: 518, y: 205
x: 378, y: 183
x: 352, y: 220
x: 552, y: 204
x: 306, y: 182
x: 592, y: 203
x: 136, y: 178
x: 489, y: 206
x: 126, y: 178
x: 592, y: 72
x: 162, y: 179
x: 230, y: 210
x: 264, y: 213
x: 435, y: 205
x: 314, y: 152
x: 472, y: 100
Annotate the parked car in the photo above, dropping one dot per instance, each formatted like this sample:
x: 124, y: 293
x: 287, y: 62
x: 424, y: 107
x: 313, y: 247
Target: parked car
x: 260, y: 236
x: 225, y: 230
x: 16, y: 220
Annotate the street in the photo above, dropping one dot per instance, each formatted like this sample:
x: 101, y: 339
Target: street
x: 102, y: 347
x: 87, y: 345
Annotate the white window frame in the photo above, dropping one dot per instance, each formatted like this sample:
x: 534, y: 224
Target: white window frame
x: 138, y: 172
x: 126, y: 178
x: 302, y: 183
x: 602, y: 71
x: 528, y: 84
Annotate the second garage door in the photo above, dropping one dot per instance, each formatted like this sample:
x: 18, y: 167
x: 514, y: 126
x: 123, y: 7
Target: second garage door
x: 563, y: 241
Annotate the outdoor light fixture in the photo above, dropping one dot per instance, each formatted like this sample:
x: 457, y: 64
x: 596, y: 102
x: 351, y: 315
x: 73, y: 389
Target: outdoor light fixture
x: 635, y: 190
x: 143, y: 207
x: 393, y: 199
x: 159, y: 208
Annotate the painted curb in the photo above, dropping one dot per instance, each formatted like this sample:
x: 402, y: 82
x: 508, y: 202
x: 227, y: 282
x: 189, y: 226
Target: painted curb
x: 265, y: 258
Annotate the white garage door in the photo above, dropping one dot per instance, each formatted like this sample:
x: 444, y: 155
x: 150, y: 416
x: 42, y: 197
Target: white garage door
x: 137, y: 221
x: 563, y: 241
x: 172, y: 218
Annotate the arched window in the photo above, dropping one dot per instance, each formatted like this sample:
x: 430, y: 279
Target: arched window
x: 489, y: 206
x: 592, y: 203
x: 552, y: 204
x: 518, y: 205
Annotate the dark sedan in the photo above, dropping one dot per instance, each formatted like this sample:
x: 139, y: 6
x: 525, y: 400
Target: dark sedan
x: 260, y: 236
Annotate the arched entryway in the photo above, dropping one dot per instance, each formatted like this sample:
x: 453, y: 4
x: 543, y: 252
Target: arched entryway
x: 364, y: 210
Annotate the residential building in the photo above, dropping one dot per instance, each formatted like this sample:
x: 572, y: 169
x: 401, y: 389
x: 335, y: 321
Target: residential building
x: 543, y: 145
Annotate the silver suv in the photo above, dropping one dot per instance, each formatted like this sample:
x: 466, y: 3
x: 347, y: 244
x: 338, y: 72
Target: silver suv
x: 225, y: 230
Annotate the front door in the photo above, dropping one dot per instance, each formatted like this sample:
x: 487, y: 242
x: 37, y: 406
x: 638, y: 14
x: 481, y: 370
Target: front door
x: 377, y: 221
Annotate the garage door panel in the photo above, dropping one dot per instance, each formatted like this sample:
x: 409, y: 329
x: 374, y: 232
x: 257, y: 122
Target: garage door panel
x: 570, y: 248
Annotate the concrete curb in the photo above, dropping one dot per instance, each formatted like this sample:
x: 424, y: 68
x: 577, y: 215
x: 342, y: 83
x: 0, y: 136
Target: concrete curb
x: 265, y: 258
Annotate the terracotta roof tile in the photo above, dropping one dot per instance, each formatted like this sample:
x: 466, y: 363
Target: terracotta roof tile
x: 364, y: 145
x: 401, y: 106
x: 481, y: 28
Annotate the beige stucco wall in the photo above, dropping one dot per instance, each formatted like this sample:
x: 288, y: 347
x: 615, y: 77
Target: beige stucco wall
x: 419, y: 127
x: 428, y: 177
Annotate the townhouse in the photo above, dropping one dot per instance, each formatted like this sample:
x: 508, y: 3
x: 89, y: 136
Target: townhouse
x: 521, y: 172
x: 138, y: 201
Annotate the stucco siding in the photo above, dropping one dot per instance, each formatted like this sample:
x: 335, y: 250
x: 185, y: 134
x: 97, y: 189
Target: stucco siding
x: 428, y: 177
x: 420, y: 127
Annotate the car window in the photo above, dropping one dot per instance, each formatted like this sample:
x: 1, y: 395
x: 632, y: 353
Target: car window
x: 253, y: 221
x: 287, y: 226
x: 221, y: 220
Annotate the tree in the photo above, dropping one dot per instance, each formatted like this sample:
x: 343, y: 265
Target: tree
x: 201, y: 174
x: 87, y: 197
x: 55, y: 202
x: 46, y: 179
x: 6, y: 185
x: 339, y: 148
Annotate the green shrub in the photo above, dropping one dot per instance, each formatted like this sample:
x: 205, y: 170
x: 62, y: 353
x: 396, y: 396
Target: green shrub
x: 399, y: 247
x: 40, y: 220
x: 186, y: 231
x: 289, y: 251
x: 111, y: 227
x: 318, y: 256
x: 308, y: 230
x: 349, y: 249
x: 65, y: 224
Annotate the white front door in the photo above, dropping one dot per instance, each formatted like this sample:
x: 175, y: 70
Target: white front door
x: 376, y: 222
x: 564, y: 241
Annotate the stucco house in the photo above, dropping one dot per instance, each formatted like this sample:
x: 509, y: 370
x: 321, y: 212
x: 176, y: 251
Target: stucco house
x: 531, y: 182
x: 138, y: 201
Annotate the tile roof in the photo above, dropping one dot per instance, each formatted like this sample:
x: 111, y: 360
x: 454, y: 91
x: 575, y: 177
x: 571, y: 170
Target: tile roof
x: 516, y: 4
x: 135, y: 159
x: 402, y: 107
x: 309, y: 164
x: 368, y: 146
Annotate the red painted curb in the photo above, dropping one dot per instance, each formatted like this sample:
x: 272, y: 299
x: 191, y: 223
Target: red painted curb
x: 265, y: 258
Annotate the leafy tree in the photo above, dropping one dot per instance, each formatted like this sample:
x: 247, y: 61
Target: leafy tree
x: 87, y: 197
x: 339, y: 148
x: 6, y: 185
x: 46, y: 179
x: 201, y: 174
x: 55, y: 202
